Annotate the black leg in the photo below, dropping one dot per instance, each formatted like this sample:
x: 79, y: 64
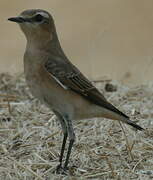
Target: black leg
x: 59, y: 168
x: 67, y: 131
x: 62, y: 149
x: 68, y: 154
x: 71, y: 135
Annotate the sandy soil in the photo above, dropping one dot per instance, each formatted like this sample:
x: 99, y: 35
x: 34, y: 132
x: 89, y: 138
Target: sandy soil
x: 30, y: 136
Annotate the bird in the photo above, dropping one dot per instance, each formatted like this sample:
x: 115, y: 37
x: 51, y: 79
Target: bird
x: 59, y: 84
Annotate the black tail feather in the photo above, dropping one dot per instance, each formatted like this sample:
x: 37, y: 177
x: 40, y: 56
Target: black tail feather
x: 135, y: 125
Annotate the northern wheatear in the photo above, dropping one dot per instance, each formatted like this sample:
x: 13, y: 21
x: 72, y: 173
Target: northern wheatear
x: 54, y: 80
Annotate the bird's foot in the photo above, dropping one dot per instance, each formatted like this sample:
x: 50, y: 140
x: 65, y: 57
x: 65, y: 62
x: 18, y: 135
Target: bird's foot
x: 61, y: 170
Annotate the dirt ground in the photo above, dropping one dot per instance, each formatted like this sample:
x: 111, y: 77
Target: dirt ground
x: 30, y: 136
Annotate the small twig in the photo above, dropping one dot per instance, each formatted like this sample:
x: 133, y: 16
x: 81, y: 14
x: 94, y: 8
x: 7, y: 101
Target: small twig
x: 132, y: 145
x: 147, y: 143
x: 109, y: 164
x: 26, y: 168
x: 52, y: 135
x: 51, y: 170
x: 3, y: 105
x: 97, y: 174
x: 8, y: 101
x: 9, y: 106
x: 127, y: 142
x: 39, y: 157
x: 119, y: 153
x: 8, y: 95
x: 136, y: 165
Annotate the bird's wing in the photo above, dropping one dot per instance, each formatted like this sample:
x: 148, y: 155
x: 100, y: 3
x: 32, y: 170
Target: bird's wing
x: 69, y: 77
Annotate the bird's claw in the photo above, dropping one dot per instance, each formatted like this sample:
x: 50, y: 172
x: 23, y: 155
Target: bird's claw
x: 61, y: 170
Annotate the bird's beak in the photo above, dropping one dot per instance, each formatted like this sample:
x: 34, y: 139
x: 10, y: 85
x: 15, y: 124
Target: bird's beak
x: 17, y: 19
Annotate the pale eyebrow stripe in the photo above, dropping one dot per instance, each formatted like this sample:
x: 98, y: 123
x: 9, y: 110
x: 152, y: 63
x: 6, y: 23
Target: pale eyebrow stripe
x: 43, y: 14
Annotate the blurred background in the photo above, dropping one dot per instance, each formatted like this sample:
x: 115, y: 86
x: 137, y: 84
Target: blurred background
x: 104, y: 38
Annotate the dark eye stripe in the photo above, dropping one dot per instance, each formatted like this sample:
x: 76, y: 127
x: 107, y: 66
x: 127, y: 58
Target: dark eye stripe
x: 38, y: 18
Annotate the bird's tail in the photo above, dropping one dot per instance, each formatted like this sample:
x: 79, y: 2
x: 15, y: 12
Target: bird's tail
x: 133, y: 124
x: 123, y: 118
x: 111, y: 112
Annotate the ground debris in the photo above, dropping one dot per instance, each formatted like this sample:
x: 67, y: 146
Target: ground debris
x: 30, y: 136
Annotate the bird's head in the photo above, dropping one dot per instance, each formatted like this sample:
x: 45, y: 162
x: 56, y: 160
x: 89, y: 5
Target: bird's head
x: 36, y: 24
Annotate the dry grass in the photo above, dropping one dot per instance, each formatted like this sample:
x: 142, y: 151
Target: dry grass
x: 30, y: 137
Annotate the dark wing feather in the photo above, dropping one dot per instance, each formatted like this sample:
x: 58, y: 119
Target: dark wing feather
x: 70, y: 77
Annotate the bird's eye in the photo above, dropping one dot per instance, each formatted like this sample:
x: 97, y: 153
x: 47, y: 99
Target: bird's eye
x: 38, y: 18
